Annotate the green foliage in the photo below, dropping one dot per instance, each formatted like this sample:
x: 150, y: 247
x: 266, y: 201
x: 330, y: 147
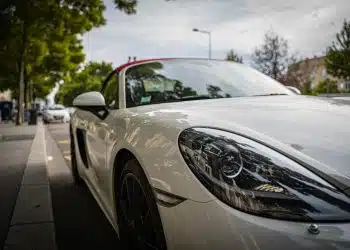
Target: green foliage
x: 338, y: 55
x: 42, y: 85
x: 326, y: 87
x: 128, y: 6
x: 232, y: 56
x: 89, y: 79
x: 145, y: 70
x: 306, y: 89
x: 39, y: 41
x: 44, y: 33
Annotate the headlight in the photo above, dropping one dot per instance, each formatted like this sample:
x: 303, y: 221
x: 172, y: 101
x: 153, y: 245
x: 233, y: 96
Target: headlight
x: 253, y: 178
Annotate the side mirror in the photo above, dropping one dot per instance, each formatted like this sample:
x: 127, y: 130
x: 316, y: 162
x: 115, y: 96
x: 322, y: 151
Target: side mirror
x: 294, y: 89
x: 92, y: 99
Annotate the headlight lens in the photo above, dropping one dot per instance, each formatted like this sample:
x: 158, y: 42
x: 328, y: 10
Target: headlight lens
x: 256, y: 179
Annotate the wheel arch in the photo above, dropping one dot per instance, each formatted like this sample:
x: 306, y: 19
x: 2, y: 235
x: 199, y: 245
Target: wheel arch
x: 122, y: 156
x: 120, y: 159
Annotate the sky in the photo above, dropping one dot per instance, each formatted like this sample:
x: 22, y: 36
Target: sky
x: 164, y: 28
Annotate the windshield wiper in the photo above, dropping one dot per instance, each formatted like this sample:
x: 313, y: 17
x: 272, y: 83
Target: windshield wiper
x: 271, y: 94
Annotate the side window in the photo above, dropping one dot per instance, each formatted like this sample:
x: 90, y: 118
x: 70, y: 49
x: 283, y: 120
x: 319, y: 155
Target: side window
x: 111, y: 92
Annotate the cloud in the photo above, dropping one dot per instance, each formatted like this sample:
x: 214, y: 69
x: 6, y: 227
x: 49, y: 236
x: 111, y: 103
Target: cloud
x: 163, y: 29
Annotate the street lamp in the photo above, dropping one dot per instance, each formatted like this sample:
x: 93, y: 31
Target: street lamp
x: 209, y: 34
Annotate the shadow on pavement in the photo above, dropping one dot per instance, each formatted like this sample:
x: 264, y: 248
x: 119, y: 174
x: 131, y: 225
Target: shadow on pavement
x: 79, y: 222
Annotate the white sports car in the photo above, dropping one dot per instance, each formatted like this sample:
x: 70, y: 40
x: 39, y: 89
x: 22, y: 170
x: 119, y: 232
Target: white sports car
x: 205, y: 154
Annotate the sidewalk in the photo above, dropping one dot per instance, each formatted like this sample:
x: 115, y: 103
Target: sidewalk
x: 32, y: 225
x: 9, y: 131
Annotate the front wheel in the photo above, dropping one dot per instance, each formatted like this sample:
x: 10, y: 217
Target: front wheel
x: 139, y: 221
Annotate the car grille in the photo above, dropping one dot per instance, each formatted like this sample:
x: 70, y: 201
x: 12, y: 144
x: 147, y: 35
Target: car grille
x: 58, y: 117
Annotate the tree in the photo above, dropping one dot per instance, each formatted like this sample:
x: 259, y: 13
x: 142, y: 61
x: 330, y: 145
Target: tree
x: 272, y: 57
x: 34, y: 23
x: 39, y: 40
x: 214, y: 91
x: 306, y: 89
x: 89, y: 79
x: 338, y: 55
x: 52, y: 26
x: 232, y: 56
x: 326, y: 87
x: 298, y: 74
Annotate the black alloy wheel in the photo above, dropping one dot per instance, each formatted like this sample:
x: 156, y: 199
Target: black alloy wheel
x: 139, y: 221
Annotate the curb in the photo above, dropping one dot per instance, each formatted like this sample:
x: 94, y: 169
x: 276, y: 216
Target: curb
x: 32, y: 223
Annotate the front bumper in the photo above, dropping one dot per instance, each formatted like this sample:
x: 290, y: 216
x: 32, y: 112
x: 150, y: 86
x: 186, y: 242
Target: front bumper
x: 214, y: 225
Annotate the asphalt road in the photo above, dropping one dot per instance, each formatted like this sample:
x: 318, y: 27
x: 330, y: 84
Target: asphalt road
x: 13, y: 160
x: 79, y: 222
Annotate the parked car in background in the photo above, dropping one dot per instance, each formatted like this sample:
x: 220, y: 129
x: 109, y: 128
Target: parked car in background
x: 70, y: 110
x: 56, y: 113
x: 40, y: 111
x: 206, y: 154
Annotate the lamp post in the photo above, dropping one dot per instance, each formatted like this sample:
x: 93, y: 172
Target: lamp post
x: 209, y: 34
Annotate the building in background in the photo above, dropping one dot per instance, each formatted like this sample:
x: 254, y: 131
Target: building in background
x: 312, y: 71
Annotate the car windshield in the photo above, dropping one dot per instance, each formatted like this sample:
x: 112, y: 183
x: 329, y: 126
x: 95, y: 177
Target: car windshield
x: 183, y: 80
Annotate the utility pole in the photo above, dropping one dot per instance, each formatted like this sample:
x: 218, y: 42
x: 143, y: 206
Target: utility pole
x: 209, y: 34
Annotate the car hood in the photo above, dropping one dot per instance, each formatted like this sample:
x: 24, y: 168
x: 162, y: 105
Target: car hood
x: 316, y: 130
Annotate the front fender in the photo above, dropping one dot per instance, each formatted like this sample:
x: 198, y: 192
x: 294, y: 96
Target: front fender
x: 156, y: 149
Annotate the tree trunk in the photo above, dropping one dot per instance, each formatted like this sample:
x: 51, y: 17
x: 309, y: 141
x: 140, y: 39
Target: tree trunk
x: 20, y: 114
x: 31, y: 98
x: 27, y: 95
x: 26, y: 91
x: 20, y: 106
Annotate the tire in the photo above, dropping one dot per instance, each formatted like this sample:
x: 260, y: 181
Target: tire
x: 78, y: 181
x: 144, y: 223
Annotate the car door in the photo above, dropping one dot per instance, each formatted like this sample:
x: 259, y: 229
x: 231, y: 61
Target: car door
x: 97, y: 130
